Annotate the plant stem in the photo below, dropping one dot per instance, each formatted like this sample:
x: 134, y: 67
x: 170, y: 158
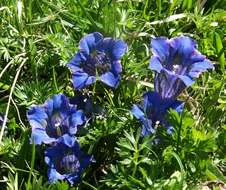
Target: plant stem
x: 32, y: 166
x: 179, y: 132
x: 9, y: 100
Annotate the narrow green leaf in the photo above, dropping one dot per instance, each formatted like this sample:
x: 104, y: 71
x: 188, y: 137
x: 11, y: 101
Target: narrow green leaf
x: 220, y: 51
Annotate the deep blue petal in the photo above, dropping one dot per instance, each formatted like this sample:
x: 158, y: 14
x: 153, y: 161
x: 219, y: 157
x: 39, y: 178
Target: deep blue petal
x: 81, y: 79
x: 75, y: 63
x: 90, y: 80
x: 136, y: 111
x: 77, y: 119
x: 68, y: 140
x: 37, y: 118
x: 170, y: 85
x: 155, y: 64
x: 105, y: 45
x: 119, y: 49
x: 38, y: 114
x: 89, y: 42
x: 48, y: 105
x: 40, y: 136
x: 61, y: 102
x: 170, y: 130
x: 147, y: 128
x: 83, y: 102
x: 110, y: 79
x: 199, y: 67
x: 177, y: 62
x: 184, y: 46
x: 54, y: 175
x: 114, y: 48
x: 97, y: 56
x: 72, y: 179
x: 151, y: 99
x: 187, y: 80
x: 177, y: 105
x: 116, y: 67
x: 160, y: 47
x: 197, y: 57
x: 86, y: 159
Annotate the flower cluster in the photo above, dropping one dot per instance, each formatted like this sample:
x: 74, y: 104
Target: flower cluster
x: 55, y: 124
x: 176, y: 63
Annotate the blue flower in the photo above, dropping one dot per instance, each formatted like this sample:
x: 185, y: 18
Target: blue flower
x: 154, y: 110
x: 83, y: 102
x: 176, y: 62
x: 53, y: 119
x: 66, y: 161
x: 98, y: 58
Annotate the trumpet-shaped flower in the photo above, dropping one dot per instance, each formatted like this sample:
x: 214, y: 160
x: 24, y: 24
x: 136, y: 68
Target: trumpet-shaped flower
x: 66, y: 161
x: 176, y: 62
x: 154, y: 110
x: 54, y: 119
x: 97, y: 58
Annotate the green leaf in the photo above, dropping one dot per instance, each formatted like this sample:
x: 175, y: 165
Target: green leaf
x: 214, y: 173
x: 220, y: 50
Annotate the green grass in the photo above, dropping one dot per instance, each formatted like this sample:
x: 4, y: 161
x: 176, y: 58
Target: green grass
x: 39, y: 37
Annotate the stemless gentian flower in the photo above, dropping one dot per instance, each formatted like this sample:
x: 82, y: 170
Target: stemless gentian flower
x: 176, y: 62
x: 83, y: 102
x: 53, y: 119
x: 97, y: 58
x: 154, y: 110
x: 66, y: 160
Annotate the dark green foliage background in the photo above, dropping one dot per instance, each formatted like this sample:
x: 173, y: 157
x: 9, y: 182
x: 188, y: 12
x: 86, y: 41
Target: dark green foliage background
x: 43, y: 37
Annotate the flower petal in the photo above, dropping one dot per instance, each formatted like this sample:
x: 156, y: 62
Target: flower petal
x: 89, y: 42
x: 147, y: 128
x: 199, y: 67
x: 197, y: 56
x: 184, y: 46
x: 170, y: 130
x: 81, y: 79
x: 75, y: 62
x: 119, y: 49
x: 77, y: 119
x: 187, y: 80
x: 116, y: 67
x: 115, y: 48
x: 37, y: 114
x: 160, y: 47
x: 155, y: 64
x: 54, y: 175
x: 177, y: 105
x: 67, y: 140
x: 61, y: 102
x: 72, y: 179
x: 110, y: 79
x: 40, y: 136
x: 136, y: 111
x: 151, y: 99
